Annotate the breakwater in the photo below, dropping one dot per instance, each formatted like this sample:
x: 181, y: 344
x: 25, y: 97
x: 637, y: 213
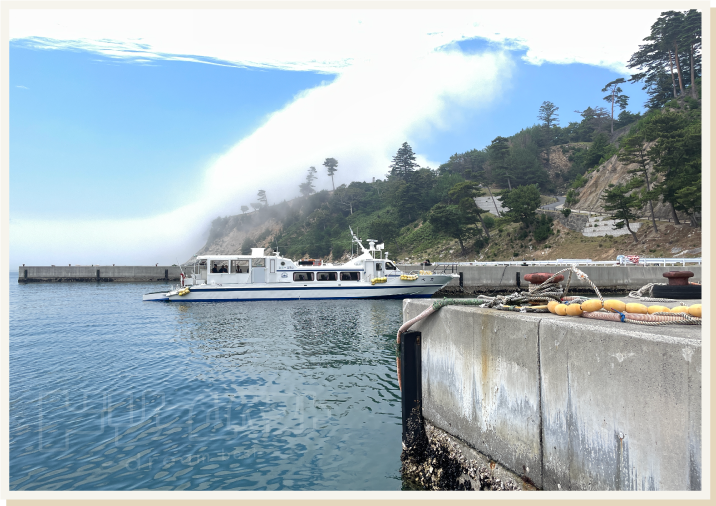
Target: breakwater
x: 607, y: 278
x: 566, y: 403
x: 102, y: 273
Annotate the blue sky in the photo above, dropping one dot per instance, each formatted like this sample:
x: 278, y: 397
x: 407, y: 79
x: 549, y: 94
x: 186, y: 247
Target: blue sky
x: 126, y: 140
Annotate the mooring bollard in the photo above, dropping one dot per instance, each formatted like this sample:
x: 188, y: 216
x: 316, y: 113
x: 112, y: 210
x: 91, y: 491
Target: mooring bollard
x: 411, y: 378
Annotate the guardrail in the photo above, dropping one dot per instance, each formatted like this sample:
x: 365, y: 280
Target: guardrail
x: 452, y: 266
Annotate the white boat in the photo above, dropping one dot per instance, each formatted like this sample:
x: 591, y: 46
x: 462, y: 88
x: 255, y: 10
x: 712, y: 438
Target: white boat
x: 258, y: 276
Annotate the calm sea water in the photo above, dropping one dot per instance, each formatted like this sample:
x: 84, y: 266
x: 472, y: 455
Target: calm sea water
x: 111, y: 393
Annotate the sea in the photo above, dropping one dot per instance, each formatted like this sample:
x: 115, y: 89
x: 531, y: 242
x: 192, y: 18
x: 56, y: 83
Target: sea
x: 111, y: 393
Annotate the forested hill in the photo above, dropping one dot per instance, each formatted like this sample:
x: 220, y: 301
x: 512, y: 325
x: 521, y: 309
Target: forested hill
x: 623, y: 163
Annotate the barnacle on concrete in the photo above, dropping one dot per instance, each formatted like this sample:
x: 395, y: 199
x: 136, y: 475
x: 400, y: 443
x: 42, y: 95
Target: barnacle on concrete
x: 432, y: 461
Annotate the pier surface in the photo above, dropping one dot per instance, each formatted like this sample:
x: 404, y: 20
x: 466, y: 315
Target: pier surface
x: 608, y: 278
x: 567, y: 403
x: 102, y: 273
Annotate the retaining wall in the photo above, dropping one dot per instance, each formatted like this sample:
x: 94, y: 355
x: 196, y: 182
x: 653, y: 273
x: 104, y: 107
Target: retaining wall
x: 566, y: 403
x: 78, y: 273
x: 611, y: 278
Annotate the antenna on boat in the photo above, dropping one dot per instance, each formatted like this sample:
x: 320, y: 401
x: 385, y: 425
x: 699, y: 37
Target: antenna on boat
x: 356, y: 240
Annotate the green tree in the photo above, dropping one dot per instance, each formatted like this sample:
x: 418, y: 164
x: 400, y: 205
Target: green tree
x: 451, y: 221
x: 262, y: 197
x: 548, y: 114
x: 403, y: 162
x: 349, y: 196
x: 498, y: 151
x: 691, y: 38
x: 256, y: 205
x: 244, y: 209
x: 615, y: 96
x: 676, y: 155
x: 330, y: 164
x: 383, y: 229
x: 622, y: 203
x: 522, y: 203
x: 634, y: 152
x: 465, y: 194
x: 307, y: 187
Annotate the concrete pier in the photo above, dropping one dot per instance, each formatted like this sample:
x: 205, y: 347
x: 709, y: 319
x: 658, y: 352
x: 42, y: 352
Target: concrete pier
x: 101, y: 273
x: 566, y: 403
x: 608, y: 278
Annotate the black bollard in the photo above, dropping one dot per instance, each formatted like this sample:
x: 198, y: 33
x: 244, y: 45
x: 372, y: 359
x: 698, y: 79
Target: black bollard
x: 517, y: 280
x: 97, y: 274
x: 411, y: 378
x: 461, y: 280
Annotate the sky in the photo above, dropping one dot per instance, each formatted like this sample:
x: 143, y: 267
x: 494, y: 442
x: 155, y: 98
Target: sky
x: 130, y: 130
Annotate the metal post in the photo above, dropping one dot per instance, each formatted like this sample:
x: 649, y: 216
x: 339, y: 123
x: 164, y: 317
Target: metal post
x: 411, y: 377
x: 97, y: 274
x: 461, y: 280
x: 517, y: 279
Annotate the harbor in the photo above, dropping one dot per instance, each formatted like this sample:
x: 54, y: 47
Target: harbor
x: 555, y: 402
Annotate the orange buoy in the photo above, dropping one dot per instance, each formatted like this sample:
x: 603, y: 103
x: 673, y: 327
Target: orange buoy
x: 592, y: 305
x: 680, y: 309
x: 614, y: 304
x: 561, y: 309
x: 657, y: 309
x: 695, y: 310
x: 551, y: 305
x: 574, y: 310
x: 634, y: 307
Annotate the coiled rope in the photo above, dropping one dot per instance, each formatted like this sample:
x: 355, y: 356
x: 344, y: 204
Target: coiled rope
x: 549, y: 290
x: 647, y: 289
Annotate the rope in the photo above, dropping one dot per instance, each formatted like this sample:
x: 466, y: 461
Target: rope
x: 639, y: 294
x: 654, y: 319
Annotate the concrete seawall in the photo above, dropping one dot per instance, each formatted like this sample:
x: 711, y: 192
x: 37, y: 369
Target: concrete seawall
x: 493, y: 278
x: 566, y: 403
x: 103, y: 273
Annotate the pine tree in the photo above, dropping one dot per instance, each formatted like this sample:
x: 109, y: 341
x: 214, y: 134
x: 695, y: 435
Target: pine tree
x: 262, y: 197
x: 548, y: 114
x: 244, y: 209
x: 634, y: 152
x: 331, y: 164
x: 622, y: 203
x: 403, y: 162
x: 498, y: 150
x: 615, y: 97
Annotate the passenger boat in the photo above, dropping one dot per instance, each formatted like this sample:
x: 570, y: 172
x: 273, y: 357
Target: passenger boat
x: 260, y: 276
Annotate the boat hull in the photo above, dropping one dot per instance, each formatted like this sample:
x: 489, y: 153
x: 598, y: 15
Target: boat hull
x: 290, y: 291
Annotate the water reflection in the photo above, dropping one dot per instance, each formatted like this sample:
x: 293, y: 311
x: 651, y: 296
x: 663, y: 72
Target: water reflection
x: 109, y: 393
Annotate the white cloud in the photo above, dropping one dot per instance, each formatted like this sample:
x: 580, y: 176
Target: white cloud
x: 334, y: 40
x: 399, y: 77
x: 386, y: 108
x: 22, y: 87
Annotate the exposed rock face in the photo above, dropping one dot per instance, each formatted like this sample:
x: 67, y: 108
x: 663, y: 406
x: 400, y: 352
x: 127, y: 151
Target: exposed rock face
x: 226, y: 236
x: 614, y: 172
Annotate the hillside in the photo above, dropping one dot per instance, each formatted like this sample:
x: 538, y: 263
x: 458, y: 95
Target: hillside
x: 423, y: 213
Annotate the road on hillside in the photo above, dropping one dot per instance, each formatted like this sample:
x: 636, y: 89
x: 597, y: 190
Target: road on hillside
x: 553, y: 206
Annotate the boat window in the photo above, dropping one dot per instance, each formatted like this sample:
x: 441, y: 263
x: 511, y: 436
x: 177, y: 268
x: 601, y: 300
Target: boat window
x: 303, y: 276
x: 239, y: 266
x: 389, y: 266
x: 327, y: 276
x: 378, y: 266
x: 350, y: 276
x: 258, y: 262
x: 219, y: 266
